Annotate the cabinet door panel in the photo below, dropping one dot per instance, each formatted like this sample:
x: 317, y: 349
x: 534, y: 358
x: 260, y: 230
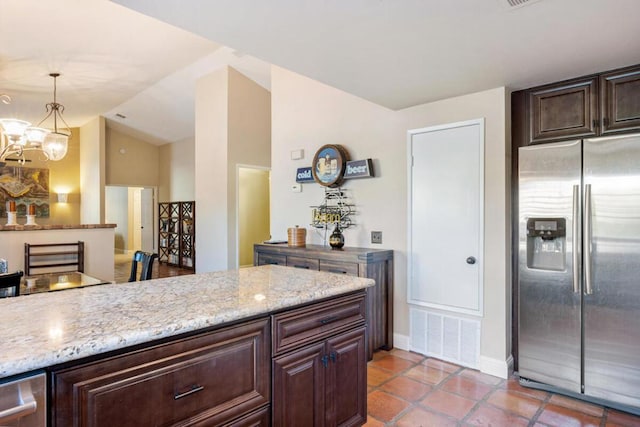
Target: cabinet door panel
x: 347, y: 379
x: 299, y: 388
x: 620, y: 100
x: 206, y: 380
x: 562, y: 111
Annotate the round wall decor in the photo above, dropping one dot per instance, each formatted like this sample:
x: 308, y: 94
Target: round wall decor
x: 329, y: 165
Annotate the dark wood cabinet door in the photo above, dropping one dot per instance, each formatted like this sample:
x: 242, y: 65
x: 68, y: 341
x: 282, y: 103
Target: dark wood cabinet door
x: 347, y: 379
x: 299, y: 388
x: 620, y: 100
x: 205, y: 380
x: 563, y: 111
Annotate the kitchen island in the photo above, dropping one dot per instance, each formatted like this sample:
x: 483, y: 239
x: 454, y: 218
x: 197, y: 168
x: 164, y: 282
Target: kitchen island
x: 205, y: 348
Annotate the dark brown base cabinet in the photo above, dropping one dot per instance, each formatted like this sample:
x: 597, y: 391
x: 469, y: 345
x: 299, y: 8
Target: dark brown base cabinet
x: 322, y: 383
x: 304, y: 366
x: 213, y: 379
x: 375, y: 264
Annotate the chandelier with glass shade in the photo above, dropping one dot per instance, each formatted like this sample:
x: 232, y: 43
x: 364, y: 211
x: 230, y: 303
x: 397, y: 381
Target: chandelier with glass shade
x: 18, y: 136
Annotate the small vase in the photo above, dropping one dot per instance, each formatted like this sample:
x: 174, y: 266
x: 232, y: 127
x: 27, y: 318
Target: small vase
x: 336, y: 240
x: 31, y: 220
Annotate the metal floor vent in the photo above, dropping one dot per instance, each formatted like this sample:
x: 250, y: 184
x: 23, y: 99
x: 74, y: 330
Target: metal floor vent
x: 450, y: 338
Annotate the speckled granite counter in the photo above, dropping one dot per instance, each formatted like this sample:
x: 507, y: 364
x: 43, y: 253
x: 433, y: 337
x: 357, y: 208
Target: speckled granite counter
x: 47, y: 329
x: 24, y: 227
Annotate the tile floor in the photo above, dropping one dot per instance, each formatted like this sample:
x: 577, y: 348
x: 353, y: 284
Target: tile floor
x: 408, y: 389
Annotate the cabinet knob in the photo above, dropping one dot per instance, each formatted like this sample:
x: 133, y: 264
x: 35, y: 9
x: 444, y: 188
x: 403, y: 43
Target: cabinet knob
x: 471, y: 260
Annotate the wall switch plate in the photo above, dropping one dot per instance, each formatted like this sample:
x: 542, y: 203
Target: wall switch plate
x: 296, y: 188
x: 376, y: 237
x: 297, y: 154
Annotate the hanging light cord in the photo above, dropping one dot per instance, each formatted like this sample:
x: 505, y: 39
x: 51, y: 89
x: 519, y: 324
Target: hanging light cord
x: 56, y: 109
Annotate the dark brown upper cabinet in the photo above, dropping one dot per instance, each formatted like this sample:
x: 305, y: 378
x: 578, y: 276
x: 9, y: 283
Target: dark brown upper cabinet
x: 600, y: 104
x: 620, y: 100
x: 565, y: 110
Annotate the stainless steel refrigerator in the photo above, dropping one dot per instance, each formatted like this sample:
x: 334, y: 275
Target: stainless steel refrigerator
x: 579, y: 269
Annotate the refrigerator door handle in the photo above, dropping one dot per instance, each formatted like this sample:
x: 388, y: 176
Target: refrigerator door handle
x: 575, y: 239
x: 588, y: 288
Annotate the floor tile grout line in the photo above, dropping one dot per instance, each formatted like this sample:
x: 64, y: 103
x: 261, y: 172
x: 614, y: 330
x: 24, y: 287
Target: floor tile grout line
x: 502, y: 385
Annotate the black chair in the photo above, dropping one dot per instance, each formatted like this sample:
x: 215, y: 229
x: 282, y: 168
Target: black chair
x: 145, y: 259
x: 11, y: 280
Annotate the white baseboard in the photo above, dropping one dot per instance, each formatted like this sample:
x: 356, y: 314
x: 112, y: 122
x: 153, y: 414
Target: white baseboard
x: 401, y: 342
x: 496, y: 367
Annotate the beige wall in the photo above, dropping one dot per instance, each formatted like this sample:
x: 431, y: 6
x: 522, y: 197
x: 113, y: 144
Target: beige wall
x: 211, y: 172
x: 307, y: 114
x: 130, y: 161
x: 64, y: 176
x: 232, y: 128
x: 249, y: 143
x: 177, y: 171
x: 92, y: 171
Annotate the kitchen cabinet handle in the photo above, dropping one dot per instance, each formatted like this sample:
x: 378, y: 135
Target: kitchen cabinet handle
x: 337, y: 271
x: 18, y: 412
x: 302, y: 266
x: 575, y: 239
x: 325, y: 360
x: 334, y: 356
x: 588, y: 289
x: 194, y: 389
x: 327, y: 320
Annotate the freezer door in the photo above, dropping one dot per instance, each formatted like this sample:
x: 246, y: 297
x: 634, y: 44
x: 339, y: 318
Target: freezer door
x: 549, y: 294
x: 612, y: 289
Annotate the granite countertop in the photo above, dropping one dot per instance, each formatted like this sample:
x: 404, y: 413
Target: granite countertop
x: 24, y: 227
x: 46, y: 329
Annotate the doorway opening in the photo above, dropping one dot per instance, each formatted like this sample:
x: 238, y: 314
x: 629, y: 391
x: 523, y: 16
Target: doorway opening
x: 132, y: 210
x: 253, y: 211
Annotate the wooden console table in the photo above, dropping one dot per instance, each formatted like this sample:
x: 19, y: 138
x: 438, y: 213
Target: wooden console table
x: 375, y: 264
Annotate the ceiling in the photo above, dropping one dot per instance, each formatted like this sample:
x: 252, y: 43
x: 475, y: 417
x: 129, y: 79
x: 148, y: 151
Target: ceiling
x: 396, y: 53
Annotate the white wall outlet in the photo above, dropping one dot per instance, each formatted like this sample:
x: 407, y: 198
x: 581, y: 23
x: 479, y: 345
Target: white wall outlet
x: 297, y: 154
x: 296, y: 188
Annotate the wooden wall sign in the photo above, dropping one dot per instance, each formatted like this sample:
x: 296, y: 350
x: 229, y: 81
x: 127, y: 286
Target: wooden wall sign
x: 331, y: 166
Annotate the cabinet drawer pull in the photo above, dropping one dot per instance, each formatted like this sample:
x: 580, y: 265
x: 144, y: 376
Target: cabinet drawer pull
x: 194, y: 389
x: 272, y: 262
x: 334, y: 356
x: 331, y: 270
x: 328, y: 319
x: 302, y: 266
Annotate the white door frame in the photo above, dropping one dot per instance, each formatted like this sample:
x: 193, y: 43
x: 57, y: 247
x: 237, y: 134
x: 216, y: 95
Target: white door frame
x: 410, y: 134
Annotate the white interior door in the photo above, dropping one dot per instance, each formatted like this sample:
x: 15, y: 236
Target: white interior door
x: 446, y: 216
x: 146, y: 219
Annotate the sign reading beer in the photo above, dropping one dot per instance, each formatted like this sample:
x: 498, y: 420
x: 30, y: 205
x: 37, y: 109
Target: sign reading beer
x: 331, y: 166
x: 359, y: 169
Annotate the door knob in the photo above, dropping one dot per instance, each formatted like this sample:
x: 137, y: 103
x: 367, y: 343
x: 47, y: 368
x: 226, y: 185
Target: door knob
x: 471, y: 260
